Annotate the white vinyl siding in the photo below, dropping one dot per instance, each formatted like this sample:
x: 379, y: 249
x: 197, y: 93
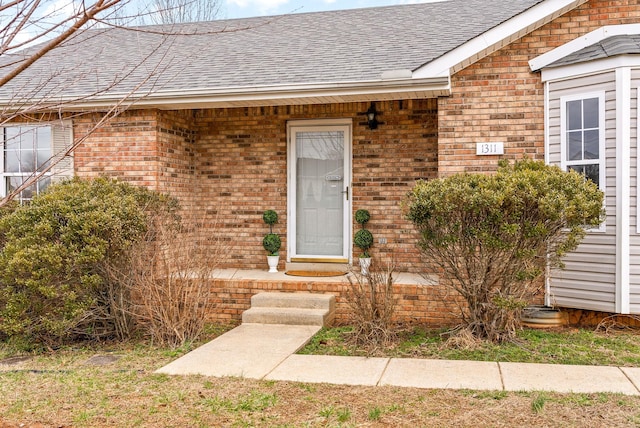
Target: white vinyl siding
x: 588, y: 280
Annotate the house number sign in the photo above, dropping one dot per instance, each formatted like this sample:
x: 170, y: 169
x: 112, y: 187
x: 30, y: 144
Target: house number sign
x: 487, y: 149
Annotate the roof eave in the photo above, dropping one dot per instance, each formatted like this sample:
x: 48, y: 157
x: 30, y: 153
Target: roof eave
x: 575, y: 45
x: 316, y: 93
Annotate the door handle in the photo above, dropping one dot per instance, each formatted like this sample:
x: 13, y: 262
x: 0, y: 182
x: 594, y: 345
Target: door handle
x: 346, y: 192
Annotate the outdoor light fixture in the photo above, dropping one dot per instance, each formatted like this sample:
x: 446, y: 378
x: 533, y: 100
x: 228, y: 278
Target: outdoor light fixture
x: 371, y: 117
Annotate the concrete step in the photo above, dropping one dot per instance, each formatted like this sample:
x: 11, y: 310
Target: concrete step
x: 294, y: 300
x: 291, y: 309
x: 287, y: 316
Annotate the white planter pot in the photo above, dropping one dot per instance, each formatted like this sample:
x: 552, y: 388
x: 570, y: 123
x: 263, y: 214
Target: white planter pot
x: 365, y: 262
x: 273, y: 263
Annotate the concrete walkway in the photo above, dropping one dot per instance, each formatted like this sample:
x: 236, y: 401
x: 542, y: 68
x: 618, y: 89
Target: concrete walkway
x: 259, y: 351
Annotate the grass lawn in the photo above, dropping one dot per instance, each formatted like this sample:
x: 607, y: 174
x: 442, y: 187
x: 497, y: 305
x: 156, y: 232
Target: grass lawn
x: 557, y: 346
x: 59, y: 389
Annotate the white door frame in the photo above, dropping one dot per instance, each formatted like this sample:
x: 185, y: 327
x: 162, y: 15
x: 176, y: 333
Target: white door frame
x: 318, y: 125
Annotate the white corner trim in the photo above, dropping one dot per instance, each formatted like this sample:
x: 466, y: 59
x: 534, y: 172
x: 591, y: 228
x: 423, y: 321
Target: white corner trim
x: 623, y: 189
x: 526, y: 21
x: 547, y: 277
x: 637, y: 159
x: 575, y: 45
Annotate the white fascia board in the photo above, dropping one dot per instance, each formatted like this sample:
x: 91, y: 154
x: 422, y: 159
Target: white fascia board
x: 498, y: 36
x: 575, y: 45
x: 440, y: 86
x: 589, y: 67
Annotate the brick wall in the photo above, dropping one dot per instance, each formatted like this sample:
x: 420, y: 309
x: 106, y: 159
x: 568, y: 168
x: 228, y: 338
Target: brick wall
x: 590, y: 319
x: 241, y: 167
x: 416, y: 304
x: 125, y: 147
x: 500, y: 99
x: 176, y: 141
x: 230, y: 165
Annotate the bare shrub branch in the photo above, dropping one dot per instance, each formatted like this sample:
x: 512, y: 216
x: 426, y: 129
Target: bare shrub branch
x: 373, y: 305
x: 618, y: 322
x: 169, y: 276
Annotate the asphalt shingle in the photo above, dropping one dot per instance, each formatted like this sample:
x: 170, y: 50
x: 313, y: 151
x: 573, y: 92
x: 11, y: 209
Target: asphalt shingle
x: 628, y: 44
x: 323, y: 47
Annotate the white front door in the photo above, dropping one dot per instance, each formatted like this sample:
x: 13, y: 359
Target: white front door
x: 319, y: 200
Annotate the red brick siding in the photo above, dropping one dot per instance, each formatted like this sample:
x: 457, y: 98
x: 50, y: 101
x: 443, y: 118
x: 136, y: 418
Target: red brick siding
x: 416, y: 304
x: 241, y: 164
x: 232, y: 165
x: 500, y: 99
x: 591, y: 319
x: 176, y: 156
x: 125, y: 147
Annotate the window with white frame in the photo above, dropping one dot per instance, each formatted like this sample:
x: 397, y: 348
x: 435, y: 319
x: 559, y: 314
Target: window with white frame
x: 26, y: 150
x: 582, y: 121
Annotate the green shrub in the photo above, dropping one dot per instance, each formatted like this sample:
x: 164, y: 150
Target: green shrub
x: 363, y: 239
x: 270, y: 217
x: 491, y: 234
x: 271, y: 243
x: 55, y: 250
x: 362, y: 217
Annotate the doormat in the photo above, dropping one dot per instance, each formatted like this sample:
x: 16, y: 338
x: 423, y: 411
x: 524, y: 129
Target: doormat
x: 315, y: 273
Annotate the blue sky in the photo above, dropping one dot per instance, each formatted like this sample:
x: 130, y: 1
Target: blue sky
x: 244, y: 8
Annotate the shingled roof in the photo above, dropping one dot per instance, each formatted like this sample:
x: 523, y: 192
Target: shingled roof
x: 343, y: 48
x: 627, y: 44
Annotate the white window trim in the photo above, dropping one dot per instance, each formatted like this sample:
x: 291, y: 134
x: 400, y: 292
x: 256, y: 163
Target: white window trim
x: 52, y: 126
x: 564, y: 164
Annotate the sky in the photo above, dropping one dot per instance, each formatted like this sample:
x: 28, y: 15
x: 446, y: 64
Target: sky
x: 245, y: 8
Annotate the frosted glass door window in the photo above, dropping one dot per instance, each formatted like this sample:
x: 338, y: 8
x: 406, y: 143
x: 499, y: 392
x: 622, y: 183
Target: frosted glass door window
x: 320, y: 199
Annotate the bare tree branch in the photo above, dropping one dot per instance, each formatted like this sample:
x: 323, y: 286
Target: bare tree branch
x: 52, y: 94
x: 81, y: 18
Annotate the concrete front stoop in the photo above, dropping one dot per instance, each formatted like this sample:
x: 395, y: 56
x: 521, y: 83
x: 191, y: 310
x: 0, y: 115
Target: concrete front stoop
x: 291, y: 309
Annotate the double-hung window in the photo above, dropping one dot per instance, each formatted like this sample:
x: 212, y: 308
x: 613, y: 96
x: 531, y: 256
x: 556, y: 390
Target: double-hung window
x: 26, y: 151
x: 583, y: 136
x: 582, y: 120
